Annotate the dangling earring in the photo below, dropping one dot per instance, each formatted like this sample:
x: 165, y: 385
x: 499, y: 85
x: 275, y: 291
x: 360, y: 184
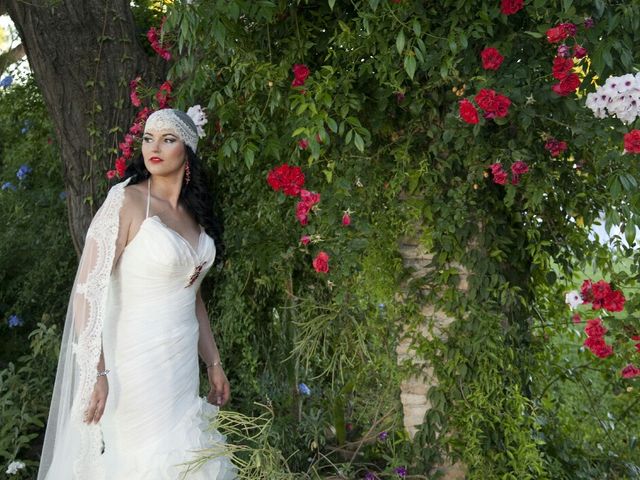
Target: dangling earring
x: 187, y: 172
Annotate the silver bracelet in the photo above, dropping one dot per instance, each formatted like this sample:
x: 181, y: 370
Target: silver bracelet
x: 214, y: 364
x: 103, y: 373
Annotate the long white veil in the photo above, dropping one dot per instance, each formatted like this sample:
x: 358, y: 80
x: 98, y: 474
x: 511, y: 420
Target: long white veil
x: 72, y: 448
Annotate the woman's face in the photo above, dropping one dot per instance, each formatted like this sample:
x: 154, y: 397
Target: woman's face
x: 163, y: 152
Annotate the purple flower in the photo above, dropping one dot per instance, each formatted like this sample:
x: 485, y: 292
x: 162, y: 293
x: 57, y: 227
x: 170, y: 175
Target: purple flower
x: 370, y: 476
x: 589, y: 22
x: 564, y: 51
x: 6, y: 81
x: 304, y: 390
x: 15, y: 321
x: 401, y: 471
x: 383, y: 435
x: 8, y: 186
x: 23, y: 171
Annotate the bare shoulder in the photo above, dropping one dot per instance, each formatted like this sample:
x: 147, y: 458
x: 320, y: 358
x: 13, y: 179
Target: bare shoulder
x: 133, y: 204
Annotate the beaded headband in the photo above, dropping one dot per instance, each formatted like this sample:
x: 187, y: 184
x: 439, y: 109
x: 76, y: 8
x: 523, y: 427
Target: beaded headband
x: 176, y: 122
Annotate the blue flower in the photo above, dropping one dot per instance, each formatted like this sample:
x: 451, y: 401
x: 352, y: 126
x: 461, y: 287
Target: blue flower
x: 401, y: 471
x: 381, y: 306
x: 304, y: 390
x: 23, y: 171
x: 15, y: 321
x: 383, y: 435
x: 8, y: 186
x: 25, y: 128
x: 6, y: 81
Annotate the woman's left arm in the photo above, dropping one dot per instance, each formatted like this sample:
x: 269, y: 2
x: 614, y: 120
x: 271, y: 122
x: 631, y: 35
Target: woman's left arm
x: 208, y: 350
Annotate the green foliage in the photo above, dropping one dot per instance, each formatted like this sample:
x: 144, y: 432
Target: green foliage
x: 380, y: 110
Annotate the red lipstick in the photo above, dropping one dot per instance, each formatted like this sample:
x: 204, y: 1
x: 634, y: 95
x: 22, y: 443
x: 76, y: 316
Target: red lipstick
x: 155, y: 159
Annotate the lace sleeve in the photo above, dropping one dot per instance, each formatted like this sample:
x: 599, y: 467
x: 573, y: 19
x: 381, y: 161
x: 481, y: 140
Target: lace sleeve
x: 72, y: 448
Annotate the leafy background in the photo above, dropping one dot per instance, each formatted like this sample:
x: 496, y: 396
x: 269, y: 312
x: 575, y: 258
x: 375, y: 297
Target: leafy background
x: 517, y: 395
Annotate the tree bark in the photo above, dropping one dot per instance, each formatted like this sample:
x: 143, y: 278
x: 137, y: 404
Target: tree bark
x: 83, y: 55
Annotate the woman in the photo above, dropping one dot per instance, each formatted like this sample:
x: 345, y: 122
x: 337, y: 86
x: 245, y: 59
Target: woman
x: 127, y: 406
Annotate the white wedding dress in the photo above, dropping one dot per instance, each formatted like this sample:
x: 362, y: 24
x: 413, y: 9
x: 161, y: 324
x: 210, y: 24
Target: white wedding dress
x: 154, y: 417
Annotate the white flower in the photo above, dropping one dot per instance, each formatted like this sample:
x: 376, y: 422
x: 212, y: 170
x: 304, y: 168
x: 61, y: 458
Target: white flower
x: 573, y: 299
x: 14, y: 467
x: 199, y: 118
x: 626, y: 82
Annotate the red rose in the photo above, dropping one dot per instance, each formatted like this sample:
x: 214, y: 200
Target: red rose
x: 601, y: 290
x: 614, y: 301
x: 121, y: 166
x: 286, y: 178
x: 603, y: 351
x: 163, y: 95
x: 595, y: 328
x: 519, y: 167
x: 491, y: 59
x: 567, y: 85
x: 556, y: 34
x: 485, y: 99
x: 630, y: 371
x: 585, y: 291
x: 303, y: 144
x: 301, y: 73
x: 302, y: 211
x: 509, y: 7
x: 309, y: 197
x: 321, y: 262
x: 569, y: 29
x: 493, y: 104
x: 500, y: 177
x: 562, y: 67
x: 555, y: 147
x: 111, y: 174
x: 305, y: 239
x: 133, y: 89
x: 468, y: 112
x: 579, y: 52
x: 346, y: 220
x: 632, y: 141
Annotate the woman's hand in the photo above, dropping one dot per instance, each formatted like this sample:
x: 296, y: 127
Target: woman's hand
x: 220, y: 388
x: 98, y: 400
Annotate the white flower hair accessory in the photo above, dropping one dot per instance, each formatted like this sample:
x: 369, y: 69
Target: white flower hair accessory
x: 199, y: 118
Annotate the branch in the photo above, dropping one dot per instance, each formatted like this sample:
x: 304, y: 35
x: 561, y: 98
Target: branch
x: 12, y: 56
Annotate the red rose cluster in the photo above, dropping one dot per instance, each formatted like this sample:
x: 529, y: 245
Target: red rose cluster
x: 601, y: 295
x: 509, y: 7
x: 561, y: 32
x: 632, y: 141
x: 301, y: 73
x: 595, y: 339
x: 286, y: 178
x: 563, y: 62
x: 518, y: 168
x: 491, y: 59
x: 152, y: 36
x: 555, y: 147
x: 321, y: 262
x: 493, y: 104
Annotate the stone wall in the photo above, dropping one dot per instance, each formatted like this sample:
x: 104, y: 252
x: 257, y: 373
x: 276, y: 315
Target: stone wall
x: 414, y: 389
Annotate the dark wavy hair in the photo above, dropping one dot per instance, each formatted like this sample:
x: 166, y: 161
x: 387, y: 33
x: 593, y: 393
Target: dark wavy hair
x: 195, y: 196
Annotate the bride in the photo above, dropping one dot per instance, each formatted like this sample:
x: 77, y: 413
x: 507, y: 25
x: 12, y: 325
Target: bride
x: 126, y: 402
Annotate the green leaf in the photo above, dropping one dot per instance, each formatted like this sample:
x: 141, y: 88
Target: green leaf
x: 410, y: 65
x: 400, y: 40
x: 359, y: 143
x: 331, y: 4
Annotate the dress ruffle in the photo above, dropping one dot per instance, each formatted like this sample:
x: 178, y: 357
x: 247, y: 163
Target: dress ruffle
x: 161, y: 458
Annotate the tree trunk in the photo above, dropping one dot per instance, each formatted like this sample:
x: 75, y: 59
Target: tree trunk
x: 83, y: 55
